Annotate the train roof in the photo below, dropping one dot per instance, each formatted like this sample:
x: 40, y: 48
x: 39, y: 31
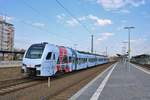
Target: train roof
x: 83, y: 52
x: 141, y: 56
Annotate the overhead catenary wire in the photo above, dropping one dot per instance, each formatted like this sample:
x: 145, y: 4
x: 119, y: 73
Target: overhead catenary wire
x: 35, y: 27
x: 73, y: 16
x: 34, y: 9
x: 41, y: 29
x: 42, y: 15
x: 84, y: 26
x: 47, y: 30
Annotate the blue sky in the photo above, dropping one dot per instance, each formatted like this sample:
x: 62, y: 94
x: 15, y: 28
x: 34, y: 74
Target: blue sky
x: 44, y: 20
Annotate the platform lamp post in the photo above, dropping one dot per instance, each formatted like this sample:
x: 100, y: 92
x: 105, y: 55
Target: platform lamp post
x: 75, y: 46
x: 129, y: 32
x: 124, y: 50
x: 92, y: 43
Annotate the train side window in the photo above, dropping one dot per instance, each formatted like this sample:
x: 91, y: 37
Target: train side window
x: 48, y: 57
x: 53, y: 56
x: 65, y: 60
x: 70, y: 59
x: 58, y: 62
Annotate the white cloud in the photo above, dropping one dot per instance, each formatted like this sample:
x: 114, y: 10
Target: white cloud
x: 92, y: 17
x: 111, y: 4
x: 38, y: 24
x: 72, y: 22
x: 119, y: 4
x: 136, y: 3
x: 103, y: 22
x: 100, y: 22
x: 102, y: 38
x: 63, y: 19
x: 82, y: 18
x: 61, y: 16
x: 105, y: 36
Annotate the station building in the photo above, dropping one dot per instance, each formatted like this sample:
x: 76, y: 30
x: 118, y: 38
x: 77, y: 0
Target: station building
x: 141, y: 59
x: 6, y: 35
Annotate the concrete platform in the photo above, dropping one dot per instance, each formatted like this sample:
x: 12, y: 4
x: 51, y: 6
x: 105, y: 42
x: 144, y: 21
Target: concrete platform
x: 122, y: 81
x: 10, y: 64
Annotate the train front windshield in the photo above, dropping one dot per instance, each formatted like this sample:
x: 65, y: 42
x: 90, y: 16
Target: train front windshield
x: 35, y: 51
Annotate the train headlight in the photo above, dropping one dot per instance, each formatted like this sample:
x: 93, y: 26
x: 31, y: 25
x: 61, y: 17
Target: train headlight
x: 38, y: 65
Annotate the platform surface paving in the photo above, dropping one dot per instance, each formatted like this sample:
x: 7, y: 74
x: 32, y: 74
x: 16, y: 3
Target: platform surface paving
x: 122, y: 81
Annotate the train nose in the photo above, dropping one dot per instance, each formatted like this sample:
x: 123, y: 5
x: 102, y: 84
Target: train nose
x: 30, y: 66
x: 31, y: 71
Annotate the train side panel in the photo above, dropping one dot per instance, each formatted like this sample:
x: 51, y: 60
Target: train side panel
x: 81, y: 61
x: 49, y: 60
x: 52, y: 59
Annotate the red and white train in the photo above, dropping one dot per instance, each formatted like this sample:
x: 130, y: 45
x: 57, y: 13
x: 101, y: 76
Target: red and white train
x: 46, y: 59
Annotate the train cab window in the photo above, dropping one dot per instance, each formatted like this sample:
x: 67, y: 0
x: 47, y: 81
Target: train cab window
x: 48, y: 57
x: 35, y: 51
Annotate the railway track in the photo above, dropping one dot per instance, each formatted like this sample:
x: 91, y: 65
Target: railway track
x: 57, y: 94
x: 57, y: 88
x: 146, y: 66
x: 17, y: 84
x: 11, y: 81
x: 12, y: 85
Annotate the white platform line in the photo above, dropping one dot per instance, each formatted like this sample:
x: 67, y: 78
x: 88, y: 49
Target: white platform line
x: 96, y: 95
x: 75, y: 96
x: 142, y: 69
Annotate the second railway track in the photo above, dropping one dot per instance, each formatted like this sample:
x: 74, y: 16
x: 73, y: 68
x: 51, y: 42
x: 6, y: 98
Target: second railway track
x: 9, y: 82
x: 17, y: 84
x: 62, y: 86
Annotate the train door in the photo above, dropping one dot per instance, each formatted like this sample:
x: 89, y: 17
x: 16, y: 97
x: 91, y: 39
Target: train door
x: 53, y: 61
x: 74, y: 61
x: 50, y: 62
x: 63, y: 60
x: 48, y: 65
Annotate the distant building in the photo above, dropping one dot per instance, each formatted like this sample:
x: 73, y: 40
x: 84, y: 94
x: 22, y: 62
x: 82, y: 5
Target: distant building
x: 113, y: 58
x: 141, y: 59
x: 6, y: 35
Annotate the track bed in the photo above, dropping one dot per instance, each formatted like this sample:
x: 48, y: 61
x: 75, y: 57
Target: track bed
x: 62, y: 87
